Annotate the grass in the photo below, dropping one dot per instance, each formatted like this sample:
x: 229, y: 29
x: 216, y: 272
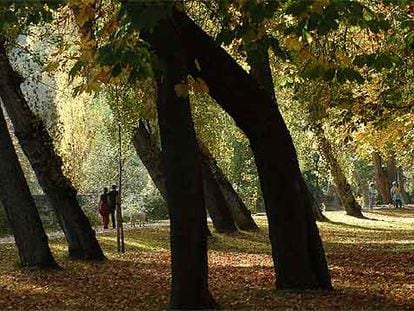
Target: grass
x: 371, y: 264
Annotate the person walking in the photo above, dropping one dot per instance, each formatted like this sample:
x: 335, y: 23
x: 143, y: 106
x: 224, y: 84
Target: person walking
x: 104, y: 207
x: 396, y: 195
x: 113, y: 201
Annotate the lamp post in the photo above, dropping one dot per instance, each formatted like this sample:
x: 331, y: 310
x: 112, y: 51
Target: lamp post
x: 316, y: 158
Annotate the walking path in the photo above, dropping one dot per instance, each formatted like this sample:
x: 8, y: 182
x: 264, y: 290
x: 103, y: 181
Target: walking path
x: 59, y: 234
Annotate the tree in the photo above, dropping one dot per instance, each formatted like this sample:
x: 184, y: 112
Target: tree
x: 22, y: 215
x: 38, y: 147
x: 189, y: 287
x: 342, y: 187
x: 214, y: 201
x: 298, y: 253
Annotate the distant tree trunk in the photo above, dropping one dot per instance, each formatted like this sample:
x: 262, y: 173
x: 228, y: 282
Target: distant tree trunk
x: 401, y: 181
x: 362, y: 188
x: 47, y: 165
x: 395, y: 173
x: 260, y: 70
x: 342, y: 186
x: 296, y: 246
x: 381, y: 178
x: 391, y: 169
x: 23, y: 218
x: 240, y: 213
x: 183, y: 177
x: 214, y: 201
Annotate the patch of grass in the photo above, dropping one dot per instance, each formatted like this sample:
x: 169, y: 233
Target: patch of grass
x: 370, y: 263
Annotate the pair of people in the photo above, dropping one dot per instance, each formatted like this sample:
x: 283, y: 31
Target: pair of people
x: 107, y: 205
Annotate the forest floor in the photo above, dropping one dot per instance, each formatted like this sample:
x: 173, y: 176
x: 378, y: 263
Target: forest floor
x: 371, y: 263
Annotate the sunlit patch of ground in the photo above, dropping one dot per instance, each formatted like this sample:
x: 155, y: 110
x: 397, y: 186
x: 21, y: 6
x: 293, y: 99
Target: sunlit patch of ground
x: 371, y: 262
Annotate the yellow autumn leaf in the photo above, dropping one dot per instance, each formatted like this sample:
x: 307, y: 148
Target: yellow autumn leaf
x: 293, y: 44
x: 84, y: 15
x: 51, y: 67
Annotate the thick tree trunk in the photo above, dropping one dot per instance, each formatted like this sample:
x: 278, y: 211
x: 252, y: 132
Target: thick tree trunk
x: 391, y: 169
x: 296, y: 246
x: 21, y: 212
x: 183, y: 178
x: 214, y: 201
x: 260, y: 70
x: 47, y: 165
x: 343, y: 188
x: 381, y: 178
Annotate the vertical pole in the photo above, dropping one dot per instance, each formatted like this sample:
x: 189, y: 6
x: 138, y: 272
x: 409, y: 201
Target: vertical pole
x: 119, y: 222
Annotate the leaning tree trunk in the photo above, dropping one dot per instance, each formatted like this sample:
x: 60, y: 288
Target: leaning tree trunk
x: 260, y: 70
x: 381, y: 178
x: 240, y: 213
x: 342, y: 187
x: 21, y: 212
x: 297, y: 249
x: 47, y: 165
x: 215, y: 202
x: 183, y: 178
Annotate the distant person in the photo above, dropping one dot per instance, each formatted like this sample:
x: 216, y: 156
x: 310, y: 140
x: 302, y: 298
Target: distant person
x: 396, y: 195
x: 372, y: 195
x: 104, y: 207
x: 113, y: 201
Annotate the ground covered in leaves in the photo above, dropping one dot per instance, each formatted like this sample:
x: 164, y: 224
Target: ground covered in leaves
x: 371, y: 263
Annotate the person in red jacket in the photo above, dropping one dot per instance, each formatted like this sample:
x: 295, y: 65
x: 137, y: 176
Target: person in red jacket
x: 104, y: 207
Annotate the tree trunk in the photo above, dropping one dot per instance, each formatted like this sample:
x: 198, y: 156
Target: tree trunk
x: 343, y: 188
x: 362, y: 188
x: 401, y: 181
x: 391, y: 169
x: 381, y: 178
x: 47, y: 165
x: 21, y: 212
x: 297, y: 250
x: 184, y: 186
x: 240, y: 213
x: 214, y: 201
x: 260, y: 70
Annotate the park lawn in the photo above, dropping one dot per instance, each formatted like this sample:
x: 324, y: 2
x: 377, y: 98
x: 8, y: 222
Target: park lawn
x: 371, y: 263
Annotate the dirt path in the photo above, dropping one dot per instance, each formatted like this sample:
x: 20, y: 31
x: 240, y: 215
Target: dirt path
x: 99, y: 230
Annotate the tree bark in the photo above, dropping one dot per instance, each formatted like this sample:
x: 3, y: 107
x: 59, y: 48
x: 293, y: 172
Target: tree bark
x: 240, y: 213
x: 21, y: 212
x: 297, y: 250
x: 363, y: 188
x: 381, y: 178
x: 214, y: 200
x: 391, y: 169
x: 401, y: 181
x: 184, y: 187
x: 260, y: 70
x: 342, y: 187
x: 47, y: 165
